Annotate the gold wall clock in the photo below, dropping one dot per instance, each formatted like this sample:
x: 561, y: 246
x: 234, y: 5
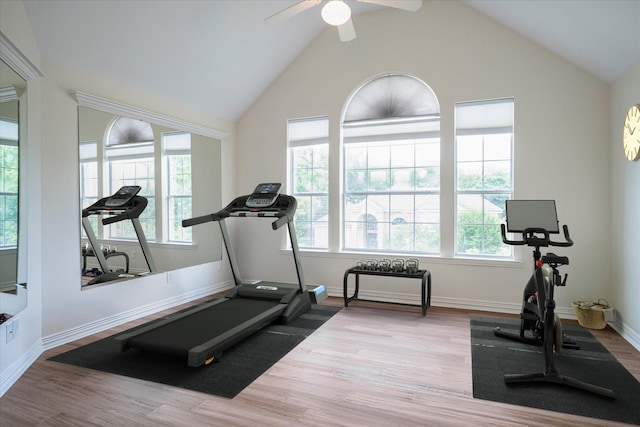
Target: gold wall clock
x: 631, y: 133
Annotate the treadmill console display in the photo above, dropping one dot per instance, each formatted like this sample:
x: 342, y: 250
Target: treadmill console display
x: 263, y: 196
x: 123, y: 196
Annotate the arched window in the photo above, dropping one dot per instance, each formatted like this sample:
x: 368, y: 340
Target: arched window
x: 130, y: 160
x: 125, y: 130
x: 391, y: 160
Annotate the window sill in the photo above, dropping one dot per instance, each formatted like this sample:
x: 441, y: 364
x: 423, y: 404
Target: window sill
x: 165, y: 245
x: 173, y: 245
x: 426, y: 259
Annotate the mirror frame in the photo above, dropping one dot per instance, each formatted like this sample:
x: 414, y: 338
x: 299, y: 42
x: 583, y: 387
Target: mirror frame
x: 102, y: 104
x: 89, y: 102
x: 13, y: 109
x: 23, y: 67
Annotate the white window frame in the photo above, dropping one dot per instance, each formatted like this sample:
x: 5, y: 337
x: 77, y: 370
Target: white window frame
x: 310, y: 133
x: 448, y: 191
x: 484, y: 120
x: 173, y: 148
x: 422, y: 133
x: 132, y: 163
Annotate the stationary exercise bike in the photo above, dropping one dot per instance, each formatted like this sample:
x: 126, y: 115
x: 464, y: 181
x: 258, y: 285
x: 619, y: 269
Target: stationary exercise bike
x: 532, y: 313
x: 538, y: 313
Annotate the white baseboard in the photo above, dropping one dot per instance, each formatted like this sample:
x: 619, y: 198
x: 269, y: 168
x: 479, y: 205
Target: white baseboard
x: 466, y: 304
x: 13, y: 373
x: 631, y: 336
x: 626, y: 332
x: 100, y: 325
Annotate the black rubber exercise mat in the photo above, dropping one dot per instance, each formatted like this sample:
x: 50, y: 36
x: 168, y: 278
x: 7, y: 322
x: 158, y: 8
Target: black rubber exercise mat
x: 239, y: 366
x: 493, y: 357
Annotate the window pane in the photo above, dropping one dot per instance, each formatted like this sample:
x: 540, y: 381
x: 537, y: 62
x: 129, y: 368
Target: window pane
x: 8, y: 194
x: 309, y: 180
x: 479, y: 218
x: 355, y: 156
x: 484, y: 147
x: 469, y: 148
x: 402, y: 209
x: 402, y: 179
x: 179, y: 195
x: 428, y: 209
x: 427, y: 153
x: 386, y: 208
x: 427, y: 238
x: 379, y: 179
x: 134, y: 172
x: 470, y: 176
x: 402, y: 155
x: 427, y: 179
x: 497, y: 175
x: 179, y: 208
x: 497, y: 147
x: 89, y: 180
x: 378, y: 156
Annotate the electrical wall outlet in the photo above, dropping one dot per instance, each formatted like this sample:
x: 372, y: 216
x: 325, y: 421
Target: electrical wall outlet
x: 9, y: 329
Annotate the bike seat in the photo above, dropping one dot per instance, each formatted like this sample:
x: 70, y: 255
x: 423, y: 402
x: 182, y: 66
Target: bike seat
x: 551, y: 258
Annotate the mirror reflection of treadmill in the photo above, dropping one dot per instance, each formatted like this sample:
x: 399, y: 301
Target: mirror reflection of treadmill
x: 202, y: 333
x: 124, y: 204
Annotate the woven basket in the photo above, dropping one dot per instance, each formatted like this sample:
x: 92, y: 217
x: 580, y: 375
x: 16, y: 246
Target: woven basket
x: 590, y: 314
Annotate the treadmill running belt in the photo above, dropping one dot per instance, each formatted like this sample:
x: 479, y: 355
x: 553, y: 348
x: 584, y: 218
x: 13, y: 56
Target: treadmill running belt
x: 181, y: 335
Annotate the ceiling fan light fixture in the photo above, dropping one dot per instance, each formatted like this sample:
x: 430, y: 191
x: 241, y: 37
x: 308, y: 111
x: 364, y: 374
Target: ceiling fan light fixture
x: 336, y: 12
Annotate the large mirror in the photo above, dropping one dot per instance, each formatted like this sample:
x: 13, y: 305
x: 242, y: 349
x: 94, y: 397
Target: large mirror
x: 179, y: 172
x: 13, y: 293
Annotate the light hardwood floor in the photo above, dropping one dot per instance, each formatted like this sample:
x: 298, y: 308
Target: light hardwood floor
x: 370, y: 365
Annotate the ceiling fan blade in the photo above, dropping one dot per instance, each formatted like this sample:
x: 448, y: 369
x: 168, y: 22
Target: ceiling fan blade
x: 346, y: 31
x: 409, y: 5
x: 291, y: 11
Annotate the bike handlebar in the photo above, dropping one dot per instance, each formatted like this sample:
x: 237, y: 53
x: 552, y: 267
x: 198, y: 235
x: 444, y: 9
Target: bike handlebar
x: 531, y: 237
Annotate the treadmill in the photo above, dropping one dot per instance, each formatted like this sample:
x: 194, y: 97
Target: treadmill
x: 202, y: 333
x: 124, y: 204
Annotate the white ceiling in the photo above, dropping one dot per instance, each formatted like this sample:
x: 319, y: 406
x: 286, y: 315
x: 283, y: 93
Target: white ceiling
x: 218, y: 56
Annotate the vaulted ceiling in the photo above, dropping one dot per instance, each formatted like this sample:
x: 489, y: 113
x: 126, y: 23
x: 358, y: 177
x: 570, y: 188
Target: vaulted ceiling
x: 218, y: 56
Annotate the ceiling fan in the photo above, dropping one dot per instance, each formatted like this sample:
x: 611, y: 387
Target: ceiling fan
x: 338, y: 13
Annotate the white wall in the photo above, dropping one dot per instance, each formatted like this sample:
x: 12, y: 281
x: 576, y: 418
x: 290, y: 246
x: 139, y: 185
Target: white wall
x: 16, y: 356
x: 58, y: 310
x: 561, y: 125
x: 61, y: 231
x: 625, y: 211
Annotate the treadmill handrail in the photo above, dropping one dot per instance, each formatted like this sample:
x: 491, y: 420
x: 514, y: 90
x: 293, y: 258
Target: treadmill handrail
x: 283, y: 208
x: 138, y: 205
x: 197, y: 220
x: 133, y: 209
